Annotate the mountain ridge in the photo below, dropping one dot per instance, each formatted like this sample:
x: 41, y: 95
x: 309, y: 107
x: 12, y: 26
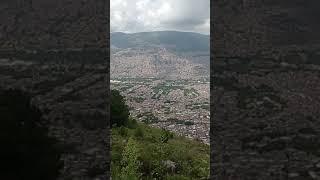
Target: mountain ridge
x: 172, y: 40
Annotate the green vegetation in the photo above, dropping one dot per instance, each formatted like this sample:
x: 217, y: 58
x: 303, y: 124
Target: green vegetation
x: 191, y: 92
x: 119, y: 110
x: 143, y: 152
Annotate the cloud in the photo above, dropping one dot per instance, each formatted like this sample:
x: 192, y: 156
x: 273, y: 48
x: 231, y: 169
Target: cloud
x: 155, y: 15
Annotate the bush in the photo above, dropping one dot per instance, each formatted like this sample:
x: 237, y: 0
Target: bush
x: 138, y: 133
x: 159, y: 170
x: 191, y: 158
x: 165, y: 136
x: 130, y: 162
x: 132, y: 123
x: 123, y: 131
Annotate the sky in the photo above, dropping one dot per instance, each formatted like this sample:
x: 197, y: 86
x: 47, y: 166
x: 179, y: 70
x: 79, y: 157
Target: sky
x: 132, y: 16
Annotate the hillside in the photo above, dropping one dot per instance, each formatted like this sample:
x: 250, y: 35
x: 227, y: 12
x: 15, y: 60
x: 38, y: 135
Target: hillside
x: 174, y: 158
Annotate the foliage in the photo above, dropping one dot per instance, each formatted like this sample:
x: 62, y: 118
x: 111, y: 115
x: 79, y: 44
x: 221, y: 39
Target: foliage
x: 165, y: 136
x: 138, y: 133
x: 132, y: 123
x: 119, y: 110
x: 191, y: 157
x: 130, y: 162
x: 123, y: 131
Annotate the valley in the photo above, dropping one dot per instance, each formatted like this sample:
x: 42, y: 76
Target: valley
x: 164, y: 76
x: 181, y: 106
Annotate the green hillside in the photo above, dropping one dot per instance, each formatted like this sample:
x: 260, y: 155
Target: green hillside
x: 146, y: 153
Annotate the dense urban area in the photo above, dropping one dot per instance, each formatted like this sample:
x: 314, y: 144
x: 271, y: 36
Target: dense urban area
x: 181, y: 106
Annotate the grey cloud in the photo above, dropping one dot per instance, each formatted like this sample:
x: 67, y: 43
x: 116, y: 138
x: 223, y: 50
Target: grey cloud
x: 184, y: 23
x: 153, y: 15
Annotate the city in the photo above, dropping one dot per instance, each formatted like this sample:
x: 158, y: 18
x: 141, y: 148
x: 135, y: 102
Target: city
x: 181, y: 106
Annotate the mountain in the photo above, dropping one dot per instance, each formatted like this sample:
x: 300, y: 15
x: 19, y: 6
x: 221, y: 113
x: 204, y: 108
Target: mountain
x: 172, y: 40
x: 162, y: 54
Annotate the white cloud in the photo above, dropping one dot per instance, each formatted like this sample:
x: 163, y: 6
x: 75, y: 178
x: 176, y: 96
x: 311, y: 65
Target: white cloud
x: 153, y: 15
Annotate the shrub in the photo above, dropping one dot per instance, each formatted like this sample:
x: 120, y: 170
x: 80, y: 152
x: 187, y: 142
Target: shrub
x: 165, y: 136
x: 130, y: 161
x: 123, y: 131
x: 132, y: 123
x: 138, y: 132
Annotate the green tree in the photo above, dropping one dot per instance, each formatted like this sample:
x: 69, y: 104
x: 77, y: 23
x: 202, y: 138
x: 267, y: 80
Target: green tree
x: 130, y: 161
x: 119, y: 110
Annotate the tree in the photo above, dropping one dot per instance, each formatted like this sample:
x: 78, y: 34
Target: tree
x: 27, y: 152
x: 130, y: 161
x: 118, y: 109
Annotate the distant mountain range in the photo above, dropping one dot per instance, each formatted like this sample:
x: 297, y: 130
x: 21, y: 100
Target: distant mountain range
x: 171, y: 40
x: 163, y: 54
